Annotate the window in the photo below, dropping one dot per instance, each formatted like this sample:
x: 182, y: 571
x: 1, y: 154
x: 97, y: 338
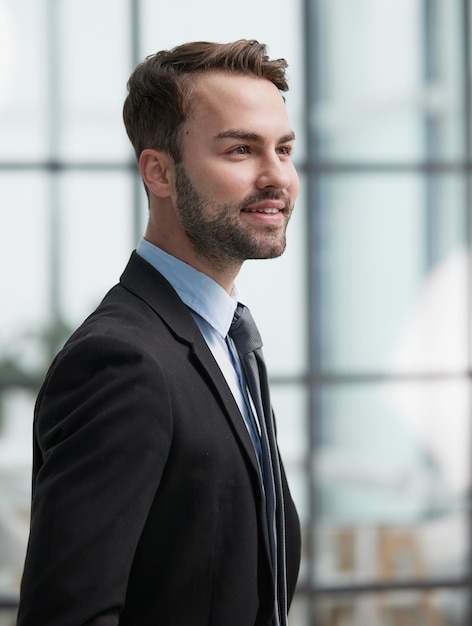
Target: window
x: 389, y: 311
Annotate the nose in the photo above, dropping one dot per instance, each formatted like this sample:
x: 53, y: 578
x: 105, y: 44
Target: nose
x: 275, y: 173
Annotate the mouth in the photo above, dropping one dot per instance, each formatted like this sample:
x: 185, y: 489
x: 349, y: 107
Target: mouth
x: 267, y: 211
x: 266, y: 207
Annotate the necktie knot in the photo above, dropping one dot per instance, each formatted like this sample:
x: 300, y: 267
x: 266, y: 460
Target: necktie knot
x: 244, y: 331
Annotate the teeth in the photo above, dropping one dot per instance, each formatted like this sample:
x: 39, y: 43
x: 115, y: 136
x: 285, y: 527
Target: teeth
x: 268, y: 211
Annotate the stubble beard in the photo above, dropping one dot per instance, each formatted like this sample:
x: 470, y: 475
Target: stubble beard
x: 215, y: 232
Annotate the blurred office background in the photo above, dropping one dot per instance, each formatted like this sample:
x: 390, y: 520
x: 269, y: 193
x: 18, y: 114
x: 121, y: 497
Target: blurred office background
x: 366, y: 318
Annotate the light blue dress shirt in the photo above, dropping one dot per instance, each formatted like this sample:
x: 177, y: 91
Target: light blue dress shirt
x: 213, y: 310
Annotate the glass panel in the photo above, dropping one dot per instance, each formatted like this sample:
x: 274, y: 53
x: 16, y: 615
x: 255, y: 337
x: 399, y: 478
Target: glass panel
x: 407, y: 608
x: 392, y: 272
x: 349, y: 553
x: 16, y: 416
x: 97, y: 238
x: 299, y: 612
x: 93, y: 72
x: 281, y: 32
x: 23, y: 80
x: 8, y: 616
x: 291, y: 411
x: 392, y: 470
x: 381, y: 100
x: 24, y: 262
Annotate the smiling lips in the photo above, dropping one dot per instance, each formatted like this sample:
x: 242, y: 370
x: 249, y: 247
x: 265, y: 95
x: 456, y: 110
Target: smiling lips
x: 269, y: 207
x: 267, y: 211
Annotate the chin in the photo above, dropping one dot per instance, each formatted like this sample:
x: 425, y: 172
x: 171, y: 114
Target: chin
x: 272, y: 252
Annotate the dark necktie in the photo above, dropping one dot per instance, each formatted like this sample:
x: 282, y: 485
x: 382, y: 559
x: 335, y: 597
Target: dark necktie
x: 248, y: 343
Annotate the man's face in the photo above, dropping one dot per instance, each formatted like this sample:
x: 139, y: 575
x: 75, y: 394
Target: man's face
x: 236, y: 185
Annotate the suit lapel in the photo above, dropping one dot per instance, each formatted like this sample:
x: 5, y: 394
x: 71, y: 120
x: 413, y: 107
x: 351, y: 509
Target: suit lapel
x: 150, y: 286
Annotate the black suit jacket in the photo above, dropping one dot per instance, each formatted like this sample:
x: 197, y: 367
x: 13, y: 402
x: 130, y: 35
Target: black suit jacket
x: 147, y: 505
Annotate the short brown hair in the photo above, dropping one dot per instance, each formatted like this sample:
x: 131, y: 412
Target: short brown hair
x: 159, y: 89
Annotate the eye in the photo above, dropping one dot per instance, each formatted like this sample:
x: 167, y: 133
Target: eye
x: 240, y: 150
x: 285, y: 150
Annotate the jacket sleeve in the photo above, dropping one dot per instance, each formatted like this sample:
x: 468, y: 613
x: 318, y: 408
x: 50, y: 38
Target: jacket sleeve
x: 102, y: 434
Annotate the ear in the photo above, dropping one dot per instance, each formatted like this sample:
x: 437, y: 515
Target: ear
x: 157, y: 172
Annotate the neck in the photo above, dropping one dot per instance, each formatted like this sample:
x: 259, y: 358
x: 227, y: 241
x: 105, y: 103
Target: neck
x: 223, y: 273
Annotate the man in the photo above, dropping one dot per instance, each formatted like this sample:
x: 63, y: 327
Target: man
x: 151, y: 499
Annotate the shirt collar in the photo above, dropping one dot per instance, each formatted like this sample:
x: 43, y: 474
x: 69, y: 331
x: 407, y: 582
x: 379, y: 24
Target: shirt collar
x: 197, y: 290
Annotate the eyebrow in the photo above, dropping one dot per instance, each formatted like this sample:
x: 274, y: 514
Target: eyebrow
x: 247, y: 136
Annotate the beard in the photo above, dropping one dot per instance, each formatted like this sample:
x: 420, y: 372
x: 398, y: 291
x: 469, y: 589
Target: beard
x: 216, y: 232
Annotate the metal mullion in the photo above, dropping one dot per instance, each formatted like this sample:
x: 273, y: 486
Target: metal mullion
x: 387, y: 167
x: 431, y: 136
x: 346, y: 378
x: 54, y: 166
x: 467, y: 112
x: 135, y: 54
x: 310, y: 167
x: 424, y: 585
x: 54, y: 115
x: 310, y: 12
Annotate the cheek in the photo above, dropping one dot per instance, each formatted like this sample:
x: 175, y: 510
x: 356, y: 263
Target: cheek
x: 224, y: 184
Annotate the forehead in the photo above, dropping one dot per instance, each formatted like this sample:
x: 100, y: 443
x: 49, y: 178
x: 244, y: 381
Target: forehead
x: 223, y: 100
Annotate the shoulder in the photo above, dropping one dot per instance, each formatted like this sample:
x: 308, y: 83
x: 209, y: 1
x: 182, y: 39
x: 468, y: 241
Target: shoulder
x: 108, y: 371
